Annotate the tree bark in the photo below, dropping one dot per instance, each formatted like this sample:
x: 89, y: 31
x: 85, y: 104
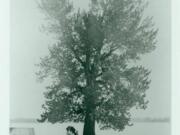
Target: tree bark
x: 89, y: 121
x: 89, y: 124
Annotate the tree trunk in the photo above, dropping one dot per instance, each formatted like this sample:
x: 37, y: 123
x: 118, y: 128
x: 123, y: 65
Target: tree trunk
x: 89, y: 124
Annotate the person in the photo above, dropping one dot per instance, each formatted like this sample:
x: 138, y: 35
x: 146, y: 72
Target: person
x: 71, y: 131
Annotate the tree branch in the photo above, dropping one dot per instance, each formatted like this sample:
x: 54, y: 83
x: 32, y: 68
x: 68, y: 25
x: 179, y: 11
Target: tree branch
x: 104, y: 56
x: 76, y: 56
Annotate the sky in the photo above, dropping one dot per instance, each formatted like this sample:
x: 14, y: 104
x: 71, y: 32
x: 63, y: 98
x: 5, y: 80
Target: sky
x: 29, y: 43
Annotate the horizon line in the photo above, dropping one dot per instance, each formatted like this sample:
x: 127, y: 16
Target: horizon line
x: 139, y: 120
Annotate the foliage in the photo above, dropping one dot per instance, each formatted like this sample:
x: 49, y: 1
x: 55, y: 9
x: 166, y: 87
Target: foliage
x: 90, y: 65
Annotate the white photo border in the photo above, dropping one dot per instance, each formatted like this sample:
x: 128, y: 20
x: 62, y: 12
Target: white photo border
x: 5, y: 65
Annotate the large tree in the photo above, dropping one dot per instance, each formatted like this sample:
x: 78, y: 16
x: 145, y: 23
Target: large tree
x: 90, y: 66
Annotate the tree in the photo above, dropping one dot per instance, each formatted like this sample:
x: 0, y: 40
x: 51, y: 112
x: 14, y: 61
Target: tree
x: 90, y: 66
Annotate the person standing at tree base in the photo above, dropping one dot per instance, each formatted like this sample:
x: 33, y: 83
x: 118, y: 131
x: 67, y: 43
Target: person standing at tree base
x: 71, y: 131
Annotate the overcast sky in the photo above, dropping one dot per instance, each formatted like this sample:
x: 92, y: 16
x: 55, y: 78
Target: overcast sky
x: 28, y: 44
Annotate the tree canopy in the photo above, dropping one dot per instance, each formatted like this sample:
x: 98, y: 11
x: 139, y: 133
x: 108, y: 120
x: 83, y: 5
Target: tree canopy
x: 90, y: 65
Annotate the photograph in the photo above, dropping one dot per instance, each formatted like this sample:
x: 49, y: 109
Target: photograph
x: 90, y: 67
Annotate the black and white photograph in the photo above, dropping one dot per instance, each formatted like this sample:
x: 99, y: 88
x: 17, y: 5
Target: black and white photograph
x: 90, y: 67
